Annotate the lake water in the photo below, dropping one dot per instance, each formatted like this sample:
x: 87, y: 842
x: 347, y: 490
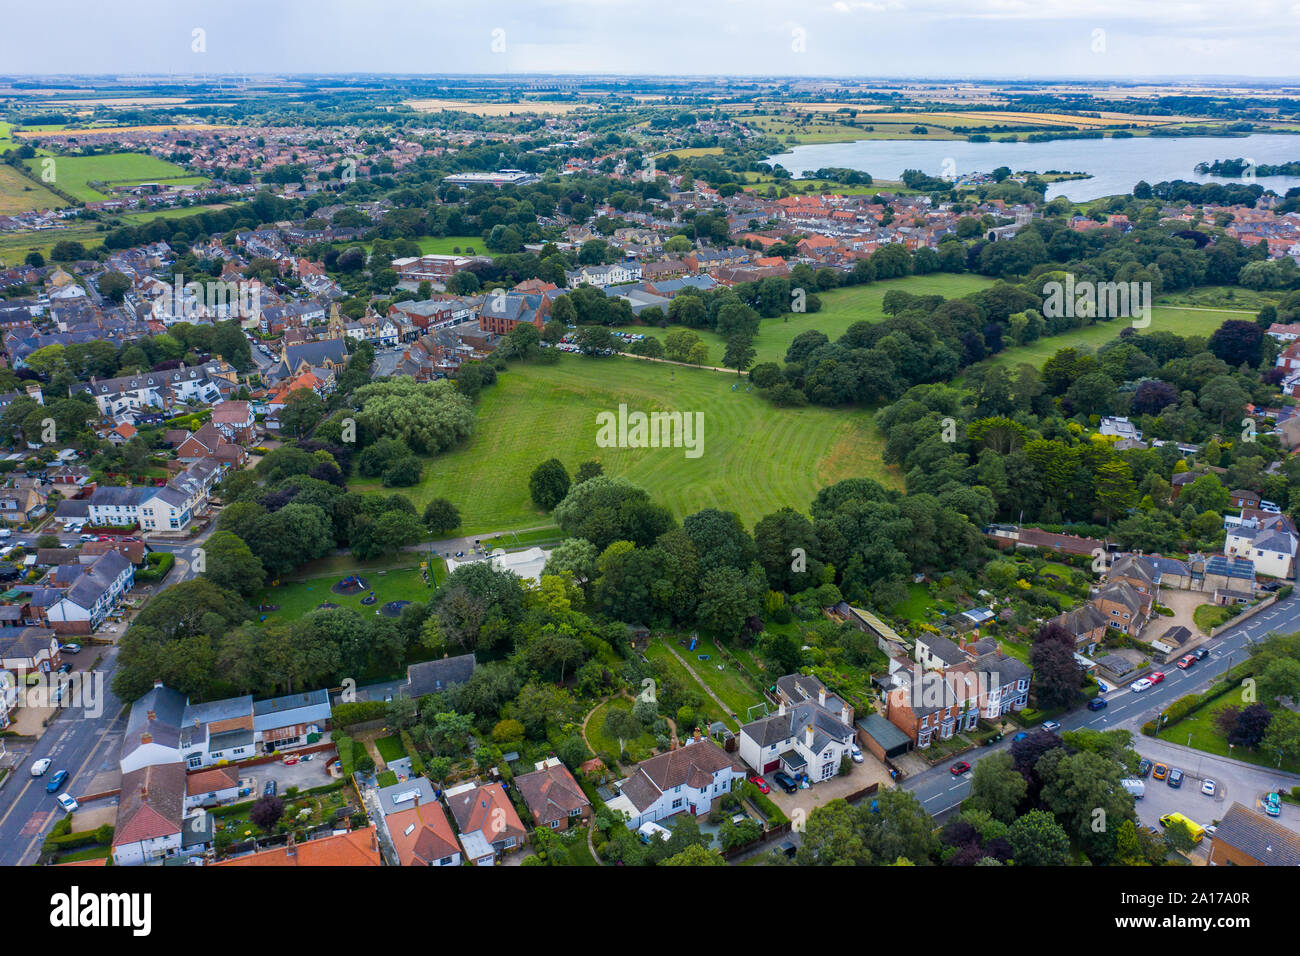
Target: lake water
x: 1115, y: 164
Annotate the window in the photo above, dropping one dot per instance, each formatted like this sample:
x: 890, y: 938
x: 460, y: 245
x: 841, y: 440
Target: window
x: 677, y: 804
x: 554, y: 824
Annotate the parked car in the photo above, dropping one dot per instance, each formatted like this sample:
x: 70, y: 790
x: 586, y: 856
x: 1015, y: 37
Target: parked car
x: 1139, y: 685
x: 1159, y: 772
x: 1200, y: 653
x: 959, y: 768
x: 1208, y: 787
x: 1271, y: 507
x: 67, y: 802
x: 42, y: 765
x: 855, y: 753
x: 1144, y: 767
x: 1175, y: 778
x: 1135, y: 787
x: 56, y: 782
x: 1097, y: 703
x: 1051, y: 726
x: 759, y: 782
x: 270, y: 789
x: 88, y: 537
x: 1272, y: 804
x: 65, y: 668
x: 1156, y: 677
x: 1186, y: 661
x: 1020, y: 736
x: 784, y: 781
x: 69, y: 648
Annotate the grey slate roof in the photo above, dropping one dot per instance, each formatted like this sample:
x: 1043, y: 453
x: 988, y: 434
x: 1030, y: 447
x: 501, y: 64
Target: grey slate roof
x: 1263, y: 839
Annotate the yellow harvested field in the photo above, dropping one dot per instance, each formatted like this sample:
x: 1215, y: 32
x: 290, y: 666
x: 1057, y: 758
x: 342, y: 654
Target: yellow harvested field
x: 496, y: 109
x: 121, y: 101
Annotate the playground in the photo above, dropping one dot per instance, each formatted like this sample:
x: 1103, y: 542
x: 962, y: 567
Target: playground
x: 380, y: 592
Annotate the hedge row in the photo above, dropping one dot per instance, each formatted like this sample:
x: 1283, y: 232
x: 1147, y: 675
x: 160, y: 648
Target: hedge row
x: 408, y: 744
x: 160, y: 562
x: 358, y: 712
x: 346, y: 747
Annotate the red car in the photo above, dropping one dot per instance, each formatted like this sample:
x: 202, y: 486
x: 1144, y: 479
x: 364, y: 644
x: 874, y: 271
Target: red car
x: 759, y: 782
x: 959, y: 768
x: 1156, y: 677
x: 1186, y: 661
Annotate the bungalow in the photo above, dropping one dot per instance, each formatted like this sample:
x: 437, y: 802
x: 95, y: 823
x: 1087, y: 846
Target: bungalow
x: 207, y: 788
x: 553, y: 796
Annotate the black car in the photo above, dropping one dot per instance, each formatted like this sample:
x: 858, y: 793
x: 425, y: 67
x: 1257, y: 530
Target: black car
x: 1175, y: 778
x: 1144, y: 768
x: 1200, y: 653
x: 270, y: 789
x: 783, y: 780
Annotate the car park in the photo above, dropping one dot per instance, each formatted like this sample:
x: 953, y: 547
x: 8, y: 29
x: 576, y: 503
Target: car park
x: 1175, y: 778
x: 785, y: 782
x: 1208, y: 787
x: 759, y: 782
x: 1097, y: 703
x: 67, y: 802
x: 56, y: 782
x: 1138, y: 686
x: 959, y: 768
x: 1159, y: 772
x: 42, y: 765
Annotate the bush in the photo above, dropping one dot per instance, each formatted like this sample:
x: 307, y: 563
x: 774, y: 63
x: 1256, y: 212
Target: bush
x: 347, y: 754
x: 158, y: 564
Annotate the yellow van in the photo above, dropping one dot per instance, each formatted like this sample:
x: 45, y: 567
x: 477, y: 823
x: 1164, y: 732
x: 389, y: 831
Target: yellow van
x: 1197, y: 831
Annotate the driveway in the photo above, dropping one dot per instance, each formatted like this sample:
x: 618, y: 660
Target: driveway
x: 799, y: 804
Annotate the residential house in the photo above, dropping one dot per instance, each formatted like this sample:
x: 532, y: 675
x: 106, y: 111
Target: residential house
x: 809, y: 734
x: 553, y: 796
x: 1271, y: 546
x: 150, y: 814
x: 354, y: 848
x: 488, y: 823
x: 687, y: 779
x: 94, y: 593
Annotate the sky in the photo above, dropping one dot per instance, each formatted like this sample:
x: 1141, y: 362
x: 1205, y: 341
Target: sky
x: 858, y: 38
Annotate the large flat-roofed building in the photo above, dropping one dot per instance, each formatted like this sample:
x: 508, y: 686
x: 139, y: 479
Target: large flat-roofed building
x: 502, y: 177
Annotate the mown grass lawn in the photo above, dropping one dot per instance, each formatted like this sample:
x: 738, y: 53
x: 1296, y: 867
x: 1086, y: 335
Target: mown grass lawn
x: 390, y: 748
x: 639, y: 747
x: 732, y: 687
x: 1210, y: 616
x: 840, y: 309
x: 755, y: 458
x: 1205, y: 737
x: 297, y: 598
x: 1180, y: 321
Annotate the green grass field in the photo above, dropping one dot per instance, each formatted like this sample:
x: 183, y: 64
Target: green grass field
x: 1206, y: 737
x: 723, y: 679
x: 297, y: 598
x: 20, y: 194
x: 1180, y: 321
x: 840, y: 309
x: 74, y: 174
x: 756, y: 458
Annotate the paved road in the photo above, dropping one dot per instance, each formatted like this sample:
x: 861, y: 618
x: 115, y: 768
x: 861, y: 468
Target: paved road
x: 939, y: 791
x: 76, y: 741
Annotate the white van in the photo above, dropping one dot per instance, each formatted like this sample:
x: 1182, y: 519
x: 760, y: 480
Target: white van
x: 1134, y: 786
x: 5, y: 532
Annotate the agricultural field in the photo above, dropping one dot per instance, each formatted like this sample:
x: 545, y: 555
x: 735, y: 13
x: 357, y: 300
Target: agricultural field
x: 20, y: 194
x: 756, y: 458
x: 65, y: 131
x: 540, y: 107
x: 823, y: 129
x: 74, y: 174
x: 840, y: 309
x: 1180, y: 321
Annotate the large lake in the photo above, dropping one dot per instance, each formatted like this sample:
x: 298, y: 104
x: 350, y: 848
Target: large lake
x: 1115, y: 164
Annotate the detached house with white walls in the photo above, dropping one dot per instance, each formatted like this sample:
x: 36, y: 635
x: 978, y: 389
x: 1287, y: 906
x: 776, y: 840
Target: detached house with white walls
x: 687, y: 779
x: 810, y: 733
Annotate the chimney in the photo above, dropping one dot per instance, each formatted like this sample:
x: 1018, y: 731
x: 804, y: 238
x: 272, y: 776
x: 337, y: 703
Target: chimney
x: 780, y: 710
x: 146, y: 738
x: 291, y: 848
x: 844, y: 714
x: 696, y: 738
x: 808, y: 736
x: 151, y: 715
x: 157, y: 683
x: 821, y: 696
